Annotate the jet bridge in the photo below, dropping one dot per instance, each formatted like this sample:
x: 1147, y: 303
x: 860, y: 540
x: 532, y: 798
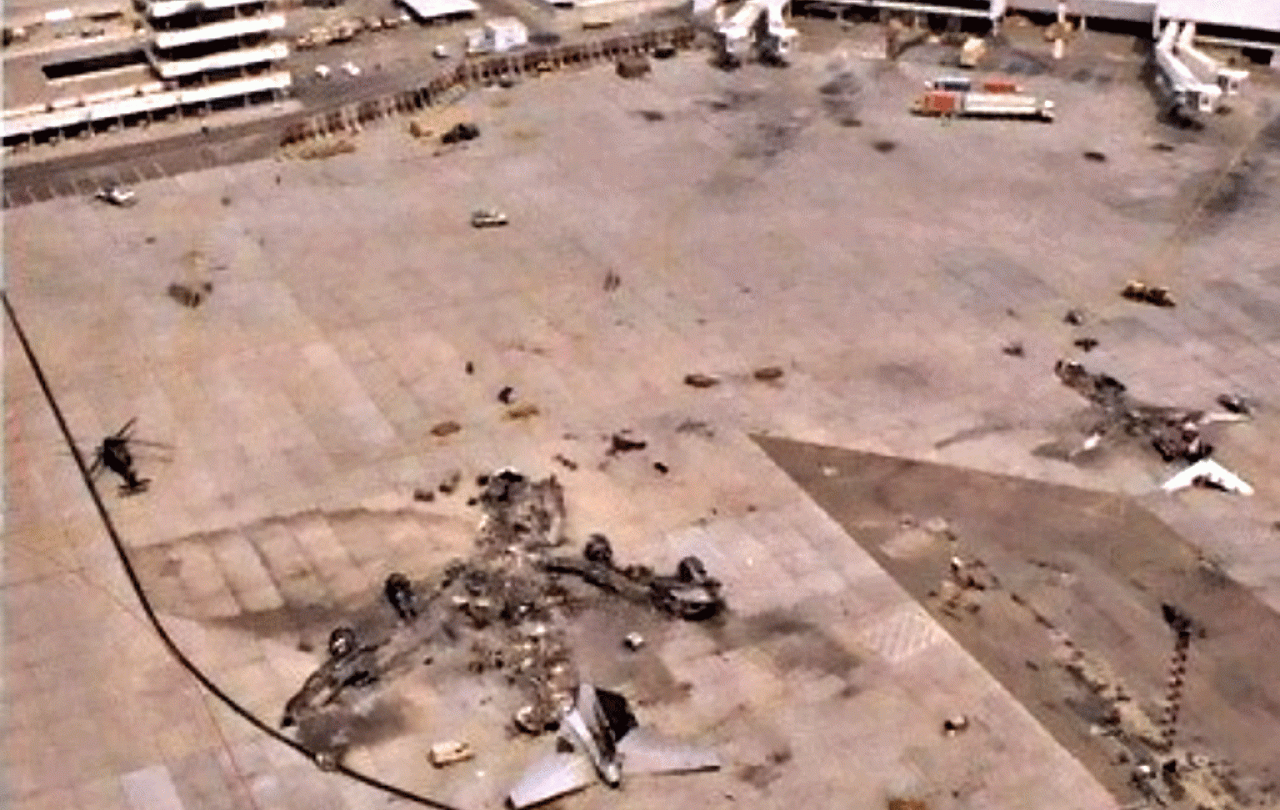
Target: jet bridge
x: 1205, y: 67
x: 1186, y: 89
x: 757, y: 23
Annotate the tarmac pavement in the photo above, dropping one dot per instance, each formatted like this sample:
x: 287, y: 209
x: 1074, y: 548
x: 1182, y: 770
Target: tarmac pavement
x: 746, y: 228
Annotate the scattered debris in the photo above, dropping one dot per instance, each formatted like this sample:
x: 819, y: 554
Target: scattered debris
x: 1234, y: 403
x: 884, y: 146
x: 1014, y: 349
x: 954, y: 725
x: 450, y: 482
x: 1096, y: 157
x: 470, y: 367
x: 523, y: 411
x: 660, y: 467
x: 1160, y: 146
x: 619, y: 443
x: 445, y: 429
x: 1085, y: 344
x: 487, y: 218
x: 399, y: 593
x: 424, y: 495
x: 633, y: 66
x: 651, y: 115
x: 461, y: 132
x: 633, y: 641
x: 507, y: 395
x: 768, y: 373
x: 448, y: 753
x: 567, y: 463
x: 1075, y: 317
x: 701, y: 380
x: 503, y: 606
x: 1208, y: 474
x: 612, y: 281
x: 1147, y: 294
x: 697, y: 428
x: 188, y: 296
x: 1173, y: 432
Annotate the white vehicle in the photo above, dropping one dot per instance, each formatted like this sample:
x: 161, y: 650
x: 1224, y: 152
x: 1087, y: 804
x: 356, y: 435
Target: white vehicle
x: 351, y: 68
x: 487, y: 218
x: 440, y: 52
x: 117, y: 196
x: 323, y: 71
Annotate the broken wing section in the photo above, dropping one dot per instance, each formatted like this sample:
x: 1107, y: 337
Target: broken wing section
x: 644, y: 751
x: 554, y: 775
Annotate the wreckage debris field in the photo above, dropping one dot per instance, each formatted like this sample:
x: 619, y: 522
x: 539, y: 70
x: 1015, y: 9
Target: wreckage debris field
x: 738, y: 259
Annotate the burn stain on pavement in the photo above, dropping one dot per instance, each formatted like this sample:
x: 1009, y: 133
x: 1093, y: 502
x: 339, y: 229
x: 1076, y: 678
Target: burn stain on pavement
x: 1124, y: 564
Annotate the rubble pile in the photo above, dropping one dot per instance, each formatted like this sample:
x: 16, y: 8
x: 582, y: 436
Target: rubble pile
x: 1173, y: 432
x: 506, y: 606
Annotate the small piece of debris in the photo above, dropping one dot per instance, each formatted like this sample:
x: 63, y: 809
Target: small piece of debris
x: 446, y: 429
x: 768, y: 373
x: 1085, y: 344
x: 1096, y: 157
x: 450, y: 482
x: 507, y: 395
x: 1074, y: 317
x: 621, y: 444
x: 907, y: 804
x: 660, y: 467
x: 1147, y: 294
x: 524, y: 411
x: 954, y: 725
x: 190, y: 297
x: 697, y: 427
x: 651, y: 115
x: 1160, y: 146
x: 447, y: 753
x: 633, y: 641
x: 1013, y: 349
x: 470, y: 367
x: 1235, y: 404
x: 701, y: 380
x: 612, y: 281
x: 884, y: 147
x: 424, y: 495
x: 567, y: 463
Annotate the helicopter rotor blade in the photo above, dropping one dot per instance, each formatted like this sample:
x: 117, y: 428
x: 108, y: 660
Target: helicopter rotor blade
x: 146, y: 443
x: 123, y: 432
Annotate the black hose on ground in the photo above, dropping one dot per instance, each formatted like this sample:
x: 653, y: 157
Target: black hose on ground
x: 145, y: 601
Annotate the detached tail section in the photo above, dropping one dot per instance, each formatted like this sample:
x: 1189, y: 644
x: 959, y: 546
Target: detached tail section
x: 606, y: 745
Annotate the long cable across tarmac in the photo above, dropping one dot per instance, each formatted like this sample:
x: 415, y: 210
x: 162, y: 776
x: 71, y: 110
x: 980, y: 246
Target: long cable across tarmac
x: 145, y: 601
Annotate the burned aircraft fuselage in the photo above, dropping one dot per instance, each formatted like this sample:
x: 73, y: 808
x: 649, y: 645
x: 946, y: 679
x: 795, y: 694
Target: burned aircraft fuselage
x: 510, y: 600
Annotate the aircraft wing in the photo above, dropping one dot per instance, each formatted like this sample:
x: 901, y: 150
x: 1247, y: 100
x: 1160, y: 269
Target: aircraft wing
x: 644, y: 751
x: 554, y: 775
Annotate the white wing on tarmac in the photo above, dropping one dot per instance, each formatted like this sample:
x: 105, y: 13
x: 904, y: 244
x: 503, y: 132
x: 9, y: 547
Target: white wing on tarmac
x: 554, y: 775
x: 644, y: 751
x: 1213, y: 472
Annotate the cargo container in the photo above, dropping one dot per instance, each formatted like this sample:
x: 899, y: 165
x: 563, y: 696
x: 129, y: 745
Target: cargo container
x: 986, y: 105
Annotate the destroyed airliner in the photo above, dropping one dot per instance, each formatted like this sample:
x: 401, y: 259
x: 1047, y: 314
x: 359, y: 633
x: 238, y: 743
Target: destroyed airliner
x: 1174, y: 433
x: 510, y: 599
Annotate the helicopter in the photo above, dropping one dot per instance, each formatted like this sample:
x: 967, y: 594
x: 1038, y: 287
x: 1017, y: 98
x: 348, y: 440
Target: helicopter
x: 114, y: 454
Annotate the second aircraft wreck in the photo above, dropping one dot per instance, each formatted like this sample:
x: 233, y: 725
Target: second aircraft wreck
x: 511, y: 600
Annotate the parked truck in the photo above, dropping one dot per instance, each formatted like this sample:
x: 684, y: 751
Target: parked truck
x: 983, y: 105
